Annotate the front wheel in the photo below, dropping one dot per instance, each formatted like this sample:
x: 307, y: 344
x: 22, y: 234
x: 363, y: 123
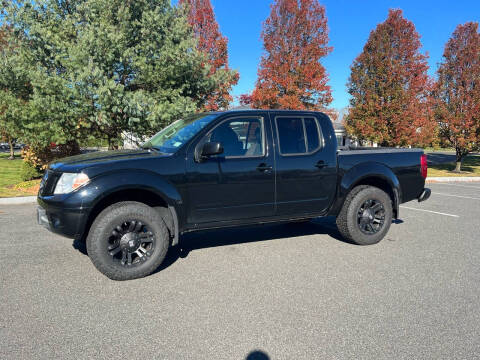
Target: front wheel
x: 127, y: 240
x: 366, y: 215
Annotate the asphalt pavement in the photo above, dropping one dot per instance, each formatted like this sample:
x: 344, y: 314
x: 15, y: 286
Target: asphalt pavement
x: 286, y: 291
x: 440, y: 157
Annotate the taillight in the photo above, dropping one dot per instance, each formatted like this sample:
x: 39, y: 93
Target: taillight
x: 423, y: 166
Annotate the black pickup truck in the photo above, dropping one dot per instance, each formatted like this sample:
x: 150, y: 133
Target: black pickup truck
x: 224, y: 169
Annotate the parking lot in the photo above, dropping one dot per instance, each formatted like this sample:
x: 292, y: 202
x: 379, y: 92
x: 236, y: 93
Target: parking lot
x: 285, y: 291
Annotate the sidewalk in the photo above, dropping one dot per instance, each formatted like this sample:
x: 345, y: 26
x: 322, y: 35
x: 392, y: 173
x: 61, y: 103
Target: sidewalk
x: 18, y: 200
x: 445, y: 179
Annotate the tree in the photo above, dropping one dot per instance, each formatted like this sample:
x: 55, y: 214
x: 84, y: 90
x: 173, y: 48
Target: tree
x: 390, y: 88
x: 211, y: 43
x: 102, y: 68
x: 458, y: 91
x: 10, y: 119
x: 245, y: 99
x: 14, y: 89
x: 295, y: 39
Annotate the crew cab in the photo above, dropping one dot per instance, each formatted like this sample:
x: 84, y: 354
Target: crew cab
x: 224, y: 169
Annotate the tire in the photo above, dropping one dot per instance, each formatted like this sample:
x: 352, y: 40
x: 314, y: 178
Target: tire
x: 135, y: 234
x: 366, y: 215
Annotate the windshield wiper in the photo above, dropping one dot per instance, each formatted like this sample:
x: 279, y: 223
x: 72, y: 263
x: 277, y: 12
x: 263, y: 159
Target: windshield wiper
x: 151, y: 147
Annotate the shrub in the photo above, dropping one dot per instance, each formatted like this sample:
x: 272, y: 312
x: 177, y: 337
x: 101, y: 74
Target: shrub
x: 37, y: 158
x: 40, y: 157
x: 29, y: 172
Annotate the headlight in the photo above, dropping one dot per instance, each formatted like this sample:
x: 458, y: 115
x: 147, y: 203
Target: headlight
x: 69, y: 182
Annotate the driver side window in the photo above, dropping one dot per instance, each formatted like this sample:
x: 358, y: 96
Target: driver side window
x: 240, y: 137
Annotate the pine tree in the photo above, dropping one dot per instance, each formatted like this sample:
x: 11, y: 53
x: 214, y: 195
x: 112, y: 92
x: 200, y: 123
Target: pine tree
x: 14, y: 89
x: 102, y: 68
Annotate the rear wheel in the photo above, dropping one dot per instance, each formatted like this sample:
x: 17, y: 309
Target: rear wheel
x: 127, y: 240
x: 366, y: 215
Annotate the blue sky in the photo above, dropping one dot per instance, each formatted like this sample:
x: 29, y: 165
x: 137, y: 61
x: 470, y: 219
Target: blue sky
x: 350, y: 23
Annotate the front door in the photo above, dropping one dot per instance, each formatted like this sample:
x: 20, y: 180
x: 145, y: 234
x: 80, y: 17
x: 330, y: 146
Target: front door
x: 239, y: 183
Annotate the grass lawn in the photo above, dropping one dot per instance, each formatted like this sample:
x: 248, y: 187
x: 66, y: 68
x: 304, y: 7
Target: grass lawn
x: 471, y: 167
x: 10, y: 182
x: 431, y: 149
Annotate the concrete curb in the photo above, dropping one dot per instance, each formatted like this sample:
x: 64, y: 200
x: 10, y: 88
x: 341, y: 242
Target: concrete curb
x: 18, y: 200
x: 446, y: 179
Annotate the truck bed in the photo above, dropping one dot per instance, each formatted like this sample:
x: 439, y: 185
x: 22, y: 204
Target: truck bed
x: 404, y: 163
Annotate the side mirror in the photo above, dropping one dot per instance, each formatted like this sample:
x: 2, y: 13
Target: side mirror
x: 211, y: 148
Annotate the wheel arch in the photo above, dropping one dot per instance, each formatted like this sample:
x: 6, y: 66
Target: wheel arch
x: 372, y: 174
x: 148, y: 189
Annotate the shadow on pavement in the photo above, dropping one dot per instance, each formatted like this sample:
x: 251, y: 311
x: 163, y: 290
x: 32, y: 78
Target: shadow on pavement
x: 257, y: 355
x: 440, y: 158
x: 231, y: 236
x: 80, y: 245
x: 242, y: 235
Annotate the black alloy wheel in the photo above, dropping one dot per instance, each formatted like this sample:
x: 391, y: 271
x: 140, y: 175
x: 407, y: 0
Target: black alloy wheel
x: 128, y: 240
x: 131, y: 243
x: 366, y: 215
x: 371, y: 217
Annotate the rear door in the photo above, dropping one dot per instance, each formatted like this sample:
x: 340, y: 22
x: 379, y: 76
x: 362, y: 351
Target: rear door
x: 238, y: 184
x: 305, y: 164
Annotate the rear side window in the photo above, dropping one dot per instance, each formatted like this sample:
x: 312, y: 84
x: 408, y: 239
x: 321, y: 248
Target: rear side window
x: 313, y: 138
x: 297, y: 135
x: 291, y: 135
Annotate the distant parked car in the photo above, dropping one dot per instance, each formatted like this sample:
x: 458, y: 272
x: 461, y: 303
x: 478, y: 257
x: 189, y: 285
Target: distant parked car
x: 3, y: 146
x: 19, y: 146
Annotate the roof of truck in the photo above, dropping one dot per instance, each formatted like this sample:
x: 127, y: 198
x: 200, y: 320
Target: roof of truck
x: 237, y: 110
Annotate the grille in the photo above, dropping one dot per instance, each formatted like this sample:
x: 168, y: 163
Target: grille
x: 48, y: 183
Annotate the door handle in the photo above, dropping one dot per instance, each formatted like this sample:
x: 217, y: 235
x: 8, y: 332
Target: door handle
x: 264, y: 167
x: 320, y: 164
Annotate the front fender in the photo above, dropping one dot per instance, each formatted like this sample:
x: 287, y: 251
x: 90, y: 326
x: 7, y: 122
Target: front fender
x: 108, y: 183
x: 73, y: 211
x: 366, y: 173
x: 84, y: 200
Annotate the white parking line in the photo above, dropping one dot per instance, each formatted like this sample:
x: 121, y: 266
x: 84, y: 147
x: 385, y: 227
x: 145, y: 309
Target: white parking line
x: 457, y: 196
x: 464, y: 186
x: 429, y: 211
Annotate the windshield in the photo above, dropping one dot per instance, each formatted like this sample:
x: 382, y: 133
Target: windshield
x: 170, y: 139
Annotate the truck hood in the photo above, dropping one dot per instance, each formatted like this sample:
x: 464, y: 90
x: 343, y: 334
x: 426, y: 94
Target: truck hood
x: 78, y: 162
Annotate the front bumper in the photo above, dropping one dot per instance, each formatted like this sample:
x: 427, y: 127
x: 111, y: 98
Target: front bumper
x: 424, y: 195
x: 65, y: 222
x: 42, y: 218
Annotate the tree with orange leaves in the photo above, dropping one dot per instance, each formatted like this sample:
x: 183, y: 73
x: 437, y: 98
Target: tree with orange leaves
x: 390, y: 87
x: 214, y: 46
x: 458, y: 92
x: 295, y: 39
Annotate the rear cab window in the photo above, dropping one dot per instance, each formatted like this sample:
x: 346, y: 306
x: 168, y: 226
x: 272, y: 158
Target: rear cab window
x: 298, y: 135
